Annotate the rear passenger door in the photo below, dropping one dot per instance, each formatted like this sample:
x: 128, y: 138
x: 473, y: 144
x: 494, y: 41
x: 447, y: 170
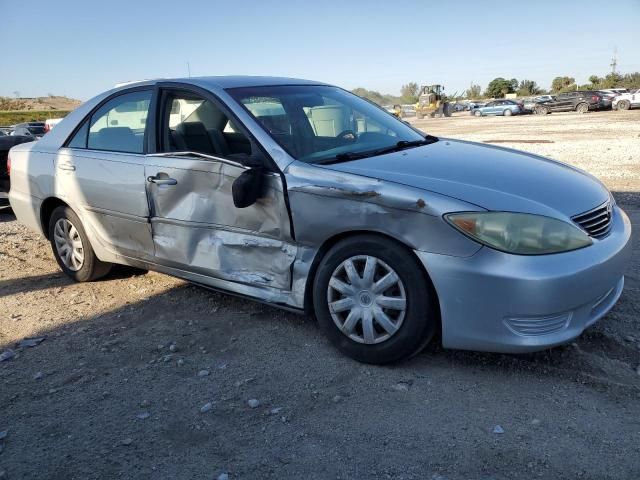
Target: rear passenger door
x: 196, y: 227
x: 100, y: 173
x: 564, y: 102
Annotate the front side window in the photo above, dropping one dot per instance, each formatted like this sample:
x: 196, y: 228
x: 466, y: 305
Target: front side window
x: 119, y: 125
x: 317, y: 123
x: 192, y: 123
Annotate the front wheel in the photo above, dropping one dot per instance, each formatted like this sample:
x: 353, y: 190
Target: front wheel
x: 373, y: 300
x: 624, y: 105
x: 582, y: 108
x: 508, y: 113
x: 71, y: 247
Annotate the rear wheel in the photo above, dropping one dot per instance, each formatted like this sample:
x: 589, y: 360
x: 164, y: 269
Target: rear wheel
x: 478, y: 113
x: 71, y: 247
x: 582, y: 108
x: 540, y: 110
x: 624, y: 105
x: 373, y: 301
x: 507, y: 113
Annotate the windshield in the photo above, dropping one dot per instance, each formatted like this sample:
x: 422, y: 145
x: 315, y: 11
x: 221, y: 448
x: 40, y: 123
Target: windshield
x: 317, y: 123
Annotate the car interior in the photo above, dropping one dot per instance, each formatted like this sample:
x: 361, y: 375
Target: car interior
x: 307, y: 125
x: 193, y: 124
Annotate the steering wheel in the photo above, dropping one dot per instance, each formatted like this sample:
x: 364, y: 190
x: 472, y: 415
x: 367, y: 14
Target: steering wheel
x: 349, y: 135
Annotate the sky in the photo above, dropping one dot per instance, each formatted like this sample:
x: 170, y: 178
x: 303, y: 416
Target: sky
x: 81, y: 48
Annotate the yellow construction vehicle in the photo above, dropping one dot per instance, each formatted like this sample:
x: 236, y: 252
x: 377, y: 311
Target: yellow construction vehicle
x: 432, y: 101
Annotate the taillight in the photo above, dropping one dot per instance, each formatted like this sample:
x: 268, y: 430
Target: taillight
x: 595, y: 98
x: 8, y: 164
x: 47, y: 127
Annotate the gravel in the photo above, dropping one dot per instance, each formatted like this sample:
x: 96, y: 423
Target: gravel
x: 437, y: 423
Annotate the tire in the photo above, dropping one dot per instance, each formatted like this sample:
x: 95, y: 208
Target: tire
x: 507, y: 113
x: 582, y: 108
x: 542, y: 111
x: 90, y: 267
x: 624, y: 105
x: 412, y: 328
x: 477, y: 113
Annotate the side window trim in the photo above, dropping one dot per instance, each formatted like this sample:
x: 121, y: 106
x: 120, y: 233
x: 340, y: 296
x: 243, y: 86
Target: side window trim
x: 88, y: 117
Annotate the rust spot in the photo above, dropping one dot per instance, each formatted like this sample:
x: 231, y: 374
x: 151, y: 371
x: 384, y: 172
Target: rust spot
x: 420, y: 203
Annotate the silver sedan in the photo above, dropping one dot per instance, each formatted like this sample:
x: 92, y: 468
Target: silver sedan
x: 304, y: 196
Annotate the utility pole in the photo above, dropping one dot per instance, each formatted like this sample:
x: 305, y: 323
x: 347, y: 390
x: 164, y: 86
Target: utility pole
x: 188, y: 70
x: 614, y: 61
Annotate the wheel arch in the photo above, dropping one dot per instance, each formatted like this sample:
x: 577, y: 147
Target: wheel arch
x: 46, y: 210
x: 333, y: 240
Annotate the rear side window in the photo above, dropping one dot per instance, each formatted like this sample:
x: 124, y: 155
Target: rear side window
x: 119, y: 125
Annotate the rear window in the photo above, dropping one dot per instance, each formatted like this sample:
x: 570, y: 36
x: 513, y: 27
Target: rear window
x: 36, y: 130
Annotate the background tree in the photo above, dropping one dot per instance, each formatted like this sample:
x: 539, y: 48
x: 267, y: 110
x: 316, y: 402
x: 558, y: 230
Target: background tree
x: 527, y: 88
x: 595, y: 80
x: 499, y: 87
x: 473, y: 92
x: 630, y: 80
x: 409, y: 92
x: 563, y: 84
x: 376, y: 97
x: 612, y: 80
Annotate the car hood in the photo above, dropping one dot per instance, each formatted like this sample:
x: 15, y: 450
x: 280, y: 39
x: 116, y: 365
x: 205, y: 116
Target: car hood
x: 490, y: 177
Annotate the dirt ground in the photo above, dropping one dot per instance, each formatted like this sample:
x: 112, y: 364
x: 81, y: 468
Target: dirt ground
x: 144, y: 376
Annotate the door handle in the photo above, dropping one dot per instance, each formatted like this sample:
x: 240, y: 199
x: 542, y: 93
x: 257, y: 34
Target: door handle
x: 66, y: 166
x: 162, y: 181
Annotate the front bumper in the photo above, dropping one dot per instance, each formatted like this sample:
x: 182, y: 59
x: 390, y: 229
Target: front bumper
x: 498, y: 302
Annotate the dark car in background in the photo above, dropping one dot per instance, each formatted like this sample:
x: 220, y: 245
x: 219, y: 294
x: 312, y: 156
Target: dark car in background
x: 6, y: 142
x: 579, y: 101
x: 30, y: 129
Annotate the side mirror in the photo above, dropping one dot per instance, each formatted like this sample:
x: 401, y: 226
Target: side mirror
x: 247, y: 188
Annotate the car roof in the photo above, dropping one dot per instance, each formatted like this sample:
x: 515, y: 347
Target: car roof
x: 232, y: 81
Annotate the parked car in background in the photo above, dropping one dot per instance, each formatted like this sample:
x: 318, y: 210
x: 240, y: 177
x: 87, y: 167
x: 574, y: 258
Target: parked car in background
x: 50, y: 123
x: 6, y: 142
x: 579, y: 101
x: 529, y: 103
x: 321, y: 202
x: 543, y: 98
x: 475, y: 104
x: 617, y: 91
x: 499, y: 107
x: 30, y: 129
x: 457, y: 107
x: 408, y: 110
x: 626, y: 101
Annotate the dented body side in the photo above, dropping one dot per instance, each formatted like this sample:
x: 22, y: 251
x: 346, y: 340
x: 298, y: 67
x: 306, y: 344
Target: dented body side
x: 326, y: 204
x: 196, y: 226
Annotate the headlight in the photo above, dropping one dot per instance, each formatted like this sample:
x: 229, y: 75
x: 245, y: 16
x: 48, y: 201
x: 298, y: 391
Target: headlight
x: 519, y: 233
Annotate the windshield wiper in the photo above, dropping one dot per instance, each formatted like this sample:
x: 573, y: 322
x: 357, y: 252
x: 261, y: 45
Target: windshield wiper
x: 403, y: 144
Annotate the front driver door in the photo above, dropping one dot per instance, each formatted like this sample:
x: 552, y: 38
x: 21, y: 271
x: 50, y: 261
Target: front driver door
x: 195, y: 225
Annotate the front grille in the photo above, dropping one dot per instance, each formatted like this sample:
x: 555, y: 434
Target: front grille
x: 596, y: 222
